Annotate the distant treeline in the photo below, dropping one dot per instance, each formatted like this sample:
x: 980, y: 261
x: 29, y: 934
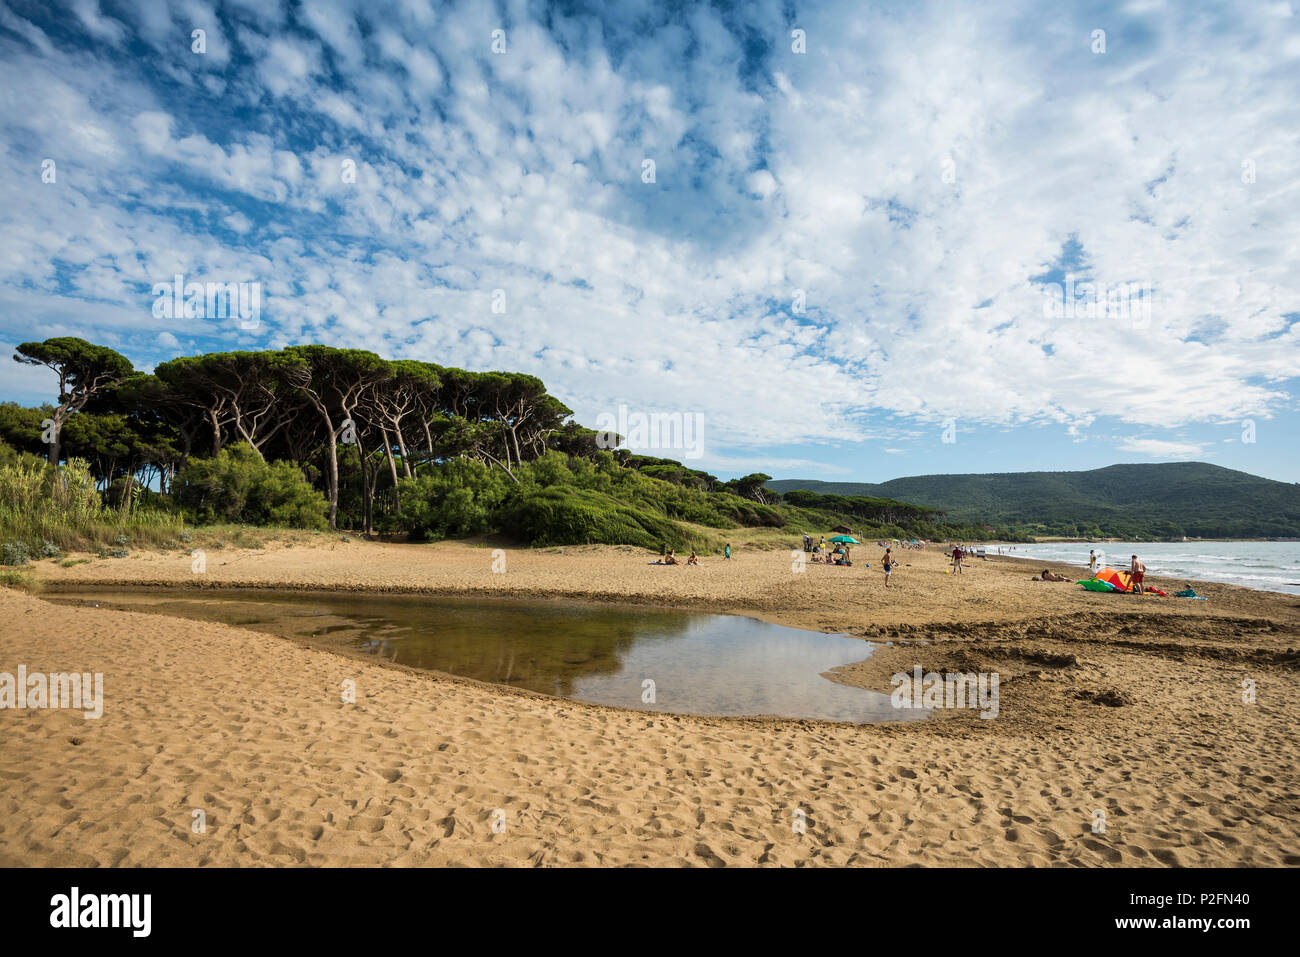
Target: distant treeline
x: 314, y: 436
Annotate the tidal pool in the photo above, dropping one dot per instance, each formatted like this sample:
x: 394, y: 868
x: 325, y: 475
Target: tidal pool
x: 699, y: 663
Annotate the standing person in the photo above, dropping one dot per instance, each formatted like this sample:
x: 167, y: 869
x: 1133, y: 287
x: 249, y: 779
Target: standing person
x: 1092, y: 563
x: 956, y: 560
x: 888, y: 561
x: 1137, y: 573
x: 726, y: 552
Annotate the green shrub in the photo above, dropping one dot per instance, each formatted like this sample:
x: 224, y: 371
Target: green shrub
x: 456, y: 498
x: 14, y: 553
x: 239, y: 487
x: 560, y: 516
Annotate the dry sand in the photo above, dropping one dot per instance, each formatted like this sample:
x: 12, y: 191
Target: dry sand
x: 1125, y: 704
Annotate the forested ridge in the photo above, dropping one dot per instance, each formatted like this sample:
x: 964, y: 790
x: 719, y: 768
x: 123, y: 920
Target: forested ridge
x: 1139, y: 502
x: 319, y: 437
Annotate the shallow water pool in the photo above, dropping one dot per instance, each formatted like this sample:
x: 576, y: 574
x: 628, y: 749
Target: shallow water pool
x: 698, y: 663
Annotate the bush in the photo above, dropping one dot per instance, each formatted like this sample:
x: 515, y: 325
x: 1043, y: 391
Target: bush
x: 456, y: 498
x: 239, y: 487
x: 14, y: 553
x: 560, y: 516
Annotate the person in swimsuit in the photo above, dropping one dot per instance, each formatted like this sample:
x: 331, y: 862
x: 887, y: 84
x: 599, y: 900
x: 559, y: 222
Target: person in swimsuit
x: 888, y: 561
x: 1137, y: 573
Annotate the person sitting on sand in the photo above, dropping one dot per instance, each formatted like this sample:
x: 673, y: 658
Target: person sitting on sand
x: 1050, y: 576
x: 1137, y: 573
x: 694, y: 559
x: 670, y: 558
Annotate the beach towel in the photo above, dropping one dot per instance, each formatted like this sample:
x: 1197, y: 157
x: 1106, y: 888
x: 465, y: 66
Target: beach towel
x: 1092, y: 584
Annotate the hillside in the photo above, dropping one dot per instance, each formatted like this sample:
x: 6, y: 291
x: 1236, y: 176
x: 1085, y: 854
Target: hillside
x: 1165, y: 500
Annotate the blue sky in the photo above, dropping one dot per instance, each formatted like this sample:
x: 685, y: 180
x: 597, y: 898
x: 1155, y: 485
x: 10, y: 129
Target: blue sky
x: 846, y: 255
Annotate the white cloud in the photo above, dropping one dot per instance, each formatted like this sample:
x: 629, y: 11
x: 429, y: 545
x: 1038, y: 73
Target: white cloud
x: 822, y: 172
x: 1162, y: 449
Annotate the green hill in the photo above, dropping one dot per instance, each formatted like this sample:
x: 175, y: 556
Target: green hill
x: 1166, y: 500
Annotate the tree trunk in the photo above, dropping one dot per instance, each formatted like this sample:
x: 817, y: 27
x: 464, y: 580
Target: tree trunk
x: 216, y: 432
x: 392, y: 467
x: 401, y: 445
x: 56, y: 443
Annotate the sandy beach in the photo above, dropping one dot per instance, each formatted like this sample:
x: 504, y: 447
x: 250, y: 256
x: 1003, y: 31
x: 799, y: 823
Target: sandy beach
x: 1130, y: 705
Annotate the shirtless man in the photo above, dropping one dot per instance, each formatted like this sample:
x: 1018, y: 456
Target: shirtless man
x: 1137, y: 572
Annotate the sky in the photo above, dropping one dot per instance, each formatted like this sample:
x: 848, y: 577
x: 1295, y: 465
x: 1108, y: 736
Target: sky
x: 851, y: 242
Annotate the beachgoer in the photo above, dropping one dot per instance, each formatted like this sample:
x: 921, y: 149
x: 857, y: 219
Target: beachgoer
x: 888, y: 561
x: 1050, y: 576
x: 726, y: 552
x: 1092, y: 562
x: 694, y: 559
x: 956, y: 560
x: 1137, y: 574
x: 670, y: 558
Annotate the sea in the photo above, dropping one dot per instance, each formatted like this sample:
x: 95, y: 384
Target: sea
x: 1267, y: 566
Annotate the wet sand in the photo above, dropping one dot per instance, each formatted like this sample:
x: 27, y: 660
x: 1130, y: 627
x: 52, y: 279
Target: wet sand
x: 1128, y: 705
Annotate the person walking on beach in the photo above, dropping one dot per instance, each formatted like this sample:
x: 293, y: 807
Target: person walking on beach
x: 1137, y: 573
x: 956, y: 560
x: 888, y: 561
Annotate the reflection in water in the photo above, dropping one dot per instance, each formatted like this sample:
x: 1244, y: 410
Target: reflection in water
x: 699, y: 663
